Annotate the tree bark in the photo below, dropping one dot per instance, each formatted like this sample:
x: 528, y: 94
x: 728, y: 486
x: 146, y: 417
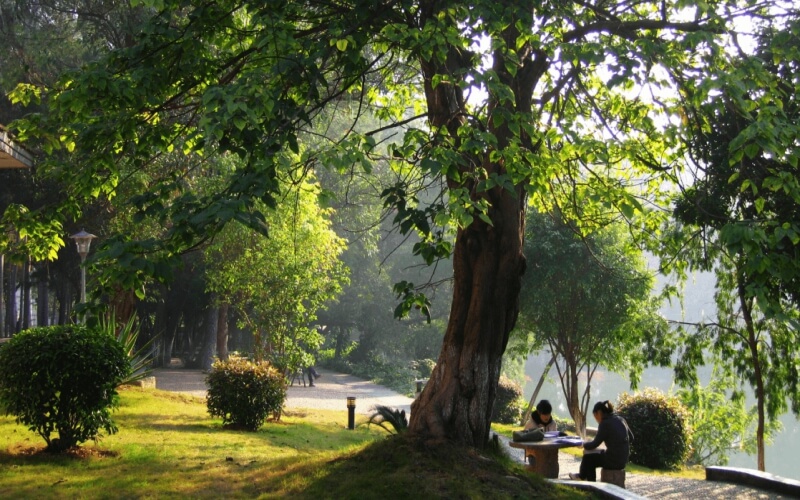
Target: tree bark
x: 123, y: 303
x: 456, y: 403
x: 3, y: 328
x: 26, y: 296
x: 758, y: 376
x: 222, y: 332
x: 42, y: 296
x: 210, y: 338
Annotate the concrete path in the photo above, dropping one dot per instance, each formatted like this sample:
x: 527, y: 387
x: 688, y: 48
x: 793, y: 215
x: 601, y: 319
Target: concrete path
x: 331, y: 390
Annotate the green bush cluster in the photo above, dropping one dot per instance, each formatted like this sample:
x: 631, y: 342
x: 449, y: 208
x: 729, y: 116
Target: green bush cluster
x: 508, y: 402
x: 62, y: 380
x: 424, y: 367
x: 244, y: 393
x: 660, y: 428
x: 381, y: 370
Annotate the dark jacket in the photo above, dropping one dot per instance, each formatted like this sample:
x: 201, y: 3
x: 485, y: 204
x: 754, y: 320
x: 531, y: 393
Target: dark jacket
x: 614, y: 432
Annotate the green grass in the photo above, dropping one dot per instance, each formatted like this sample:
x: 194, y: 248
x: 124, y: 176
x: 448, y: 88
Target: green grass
x: 168, y: 446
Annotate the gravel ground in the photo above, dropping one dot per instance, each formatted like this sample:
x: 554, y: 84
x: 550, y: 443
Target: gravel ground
x: 331, y: 390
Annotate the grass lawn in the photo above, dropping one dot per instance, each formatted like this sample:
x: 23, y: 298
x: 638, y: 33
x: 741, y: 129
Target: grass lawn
x: 168, y: 446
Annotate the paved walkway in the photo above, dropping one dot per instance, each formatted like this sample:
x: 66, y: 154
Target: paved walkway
x: 331, y: 390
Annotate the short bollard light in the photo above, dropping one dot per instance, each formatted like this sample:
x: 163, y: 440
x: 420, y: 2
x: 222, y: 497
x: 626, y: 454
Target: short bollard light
x: 351, y: 412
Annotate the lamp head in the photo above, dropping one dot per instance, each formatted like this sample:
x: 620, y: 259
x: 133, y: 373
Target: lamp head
x: 83, y: 241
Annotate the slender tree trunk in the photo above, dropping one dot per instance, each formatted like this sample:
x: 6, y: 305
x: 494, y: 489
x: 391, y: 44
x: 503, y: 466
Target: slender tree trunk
x: 64, y: 300
x: 538, y: 388
x: 210, y: 338
x: 26, y: 295
x: 222, y: 332
x: 11, y: 305
x: 573, y: 399
x: 3, y: 328
x: 42, y: 296
x: 758, y: 376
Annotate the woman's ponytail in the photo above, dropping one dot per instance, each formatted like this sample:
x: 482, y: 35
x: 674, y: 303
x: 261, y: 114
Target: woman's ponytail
x: 604, y: 406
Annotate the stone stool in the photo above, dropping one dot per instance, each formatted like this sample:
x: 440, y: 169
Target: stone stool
x: 613, y: 476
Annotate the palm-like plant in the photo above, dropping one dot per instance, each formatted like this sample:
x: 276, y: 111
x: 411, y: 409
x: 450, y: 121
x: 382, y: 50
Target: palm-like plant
x: 392, y: 420
x: 127, y: 335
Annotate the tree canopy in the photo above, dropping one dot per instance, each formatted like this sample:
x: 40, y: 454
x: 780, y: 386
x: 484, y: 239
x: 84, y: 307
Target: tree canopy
x: 570, y: 94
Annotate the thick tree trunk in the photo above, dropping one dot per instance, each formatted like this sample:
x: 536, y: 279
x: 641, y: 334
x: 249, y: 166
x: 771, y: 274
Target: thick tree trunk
x: 488, y: 263
x: 123, y: 304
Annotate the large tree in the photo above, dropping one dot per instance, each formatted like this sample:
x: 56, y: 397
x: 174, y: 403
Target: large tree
x: 497, y: 98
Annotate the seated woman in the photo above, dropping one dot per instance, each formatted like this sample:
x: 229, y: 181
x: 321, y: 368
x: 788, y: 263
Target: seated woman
x: 542, y: 417
x: 614, y: 432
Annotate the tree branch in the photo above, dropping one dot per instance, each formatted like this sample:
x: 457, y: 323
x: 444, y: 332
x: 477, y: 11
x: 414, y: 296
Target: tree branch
x: 630, y: 29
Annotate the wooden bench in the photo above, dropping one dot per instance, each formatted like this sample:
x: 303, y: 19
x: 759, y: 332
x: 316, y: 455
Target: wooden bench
x: 613, y: 476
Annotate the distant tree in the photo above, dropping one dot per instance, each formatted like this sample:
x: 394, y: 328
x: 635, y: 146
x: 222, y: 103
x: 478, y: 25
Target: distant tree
x: 587, y: 299
x: 719, y: 419
x: 278, y: 283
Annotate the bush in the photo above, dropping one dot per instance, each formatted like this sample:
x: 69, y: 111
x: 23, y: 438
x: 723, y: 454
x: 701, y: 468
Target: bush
x: 395, y: 375
x: 244, y: 393
x: 659, y: 424
x: 508, y: 402
x: 424, y: 367
x: 62, y: 379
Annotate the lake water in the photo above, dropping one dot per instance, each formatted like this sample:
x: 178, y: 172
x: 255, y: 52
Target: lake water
x: 780, y: 456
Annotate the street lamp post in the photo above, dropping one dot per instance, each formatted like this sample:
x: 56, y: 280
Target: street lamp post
x: 83, y: 241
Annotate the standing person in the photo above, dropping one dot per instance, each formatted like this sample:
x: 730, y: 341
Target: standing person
x: 542, y: 417
x: 312, y: 374
x: 614, y: 432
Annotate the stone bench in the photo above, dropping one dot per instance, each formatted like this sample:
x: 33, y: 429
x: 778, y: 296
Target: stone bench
x: 754, y: 478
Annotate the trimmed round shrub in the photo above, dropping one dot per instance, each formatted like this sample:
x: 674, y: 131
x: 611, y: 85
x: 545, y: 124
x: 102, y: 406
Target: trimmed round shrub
x: 244, y: 393
x: 661, y: 435
x: 508, y: 402
x: 62, y: 380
